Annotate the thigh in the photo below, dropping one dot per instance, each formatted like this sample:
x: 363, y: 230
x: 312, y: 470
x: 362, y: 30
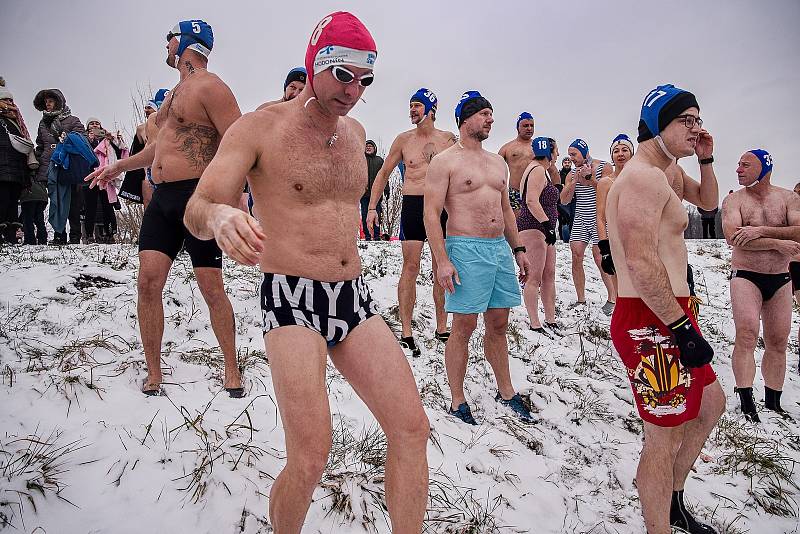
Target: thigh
x: 209, y: 280
x: 505, y: 290
x: 412, y: 251
x: 374, y: 364
x: 477, y: 276
x: 153, y: 268
x: 297, y: 361
x: 534, y: 242
x: 203, y: 253
x: 776, y: 314
x: 746, y: 305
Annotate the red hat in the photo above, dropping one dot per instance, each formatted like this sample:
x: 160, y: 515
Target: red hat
x: 339, y: 39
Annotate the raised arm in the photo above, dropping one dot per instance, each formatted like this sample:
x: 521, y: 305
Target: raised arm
x: 212, y: 211
x: 638, y: 224
x: 705, y: 194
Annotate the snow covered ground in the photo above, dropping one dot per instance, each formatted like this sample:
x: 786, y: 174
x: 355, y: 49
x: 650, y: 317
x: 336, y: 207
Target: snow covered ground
x: 82, y: 450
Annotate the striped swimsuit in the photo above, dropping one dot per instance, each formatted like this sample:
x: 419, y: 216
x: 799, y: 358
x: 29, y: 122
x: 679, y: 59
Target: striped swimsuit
x: 584, y: 225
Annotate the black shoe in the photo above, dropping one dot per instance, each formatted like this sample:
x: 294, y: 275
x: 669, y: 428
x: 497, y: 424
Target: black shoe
x: 410, y: 344
x: 748, y: 404
x: 443, y: 336
x: 58, y: 240
x: 772, y: 401
x: 464, y: 413
x: 679, y: 517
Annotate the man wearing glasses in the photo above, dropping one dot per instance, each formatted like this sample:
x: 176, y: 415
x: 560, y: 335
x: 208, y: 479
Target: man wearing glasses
x: 762, y: 223
x: 416, y: 148
x: 304, y: 160
x: 190, y: 123
x: 653, y: 329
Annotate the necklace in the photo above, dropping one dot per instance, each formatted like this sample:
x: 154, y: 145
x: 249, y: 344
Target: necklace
x: 333, y: 137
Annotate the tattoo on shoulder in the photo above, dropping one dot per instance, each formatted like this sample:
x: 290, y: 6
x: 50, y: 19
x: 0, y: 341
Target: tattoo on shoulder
x: 198, y: 143
x: 452, y: 139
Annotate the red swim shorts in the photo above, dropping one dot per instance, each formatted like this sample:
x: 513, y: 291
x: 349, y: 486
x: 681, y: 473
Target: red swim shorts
x: 666, y: 393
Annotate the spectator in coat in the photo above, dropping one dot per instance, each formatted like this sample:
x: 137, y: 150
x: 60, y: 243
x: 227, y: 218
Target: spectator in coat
x: 57, y: 121
x: 708, y: 218
x: 374, y: 163
x: 15, y: 174
x: 99, y: 204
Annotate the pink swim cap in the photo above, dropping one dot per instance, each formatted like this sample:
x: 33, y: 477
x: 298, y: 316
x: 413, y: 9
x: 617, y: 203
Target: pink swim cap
x: 339, y: 39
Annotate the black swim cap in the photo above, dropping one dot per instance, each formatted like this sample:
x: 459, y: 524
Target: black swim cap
x: 670, y: 109
x: 471, y: 107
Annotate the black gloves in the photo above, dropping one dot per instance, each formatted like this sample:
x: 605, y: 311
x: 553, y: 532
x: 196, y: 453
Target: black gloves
x: 549, y: 233
x: 695, y: 351
x: 606, y: 262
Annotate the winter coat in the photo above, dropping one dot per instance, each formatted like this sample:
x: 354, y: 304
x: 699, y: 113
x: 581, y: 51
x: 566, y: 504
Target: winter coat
x: 13, y: 164
x: 50, y: 130
x: 374, y: 164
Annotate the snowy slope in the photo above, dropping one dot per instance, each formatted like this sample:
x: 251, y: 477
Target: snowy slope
x: 82, y: 450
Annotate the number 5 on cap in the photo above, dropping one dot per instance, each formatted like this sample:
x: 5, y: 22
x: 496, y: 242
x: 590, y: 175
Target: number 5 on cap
x: 195, y: 27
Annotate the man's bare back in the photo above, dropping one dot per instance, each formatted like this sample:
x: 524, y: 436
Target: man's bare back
x: 187, y: 137
x: 772, y: 210
x: 477, y: 186
x: 636, y: 180
x: 517, y: 154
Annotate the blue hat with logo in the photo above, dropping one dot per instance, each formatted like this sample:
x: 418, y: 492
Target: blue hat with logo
x: 193, y: 34
x: 581, y: 146
x: 470, y: 103
x: 297, y: 74
x: 542, y: 147
x: 766, y: 161
x: 523, y: 116
x: 660, y: 107
x: 622, y: 139
x: 427, y: 98
x: 158, y: 99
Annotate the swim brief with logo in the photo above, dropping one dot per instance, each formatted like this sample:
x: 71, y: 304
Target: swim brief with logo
x: 331, y: 309
x: 488, y: 277
x: 666, y: 393
x: 163, y: 229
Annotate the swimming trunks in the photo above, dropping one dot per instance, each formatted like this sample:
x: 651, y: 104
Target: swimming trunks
x: 548, y: 199
x: 584, y: 223
x: 485, y: 267
x: 665, y: 392
x: 331, y: 309
x: 768, y: 284
x: 794, y: 271
x: 514, y: 198
x: 163, y: 229
x: 412, y: 224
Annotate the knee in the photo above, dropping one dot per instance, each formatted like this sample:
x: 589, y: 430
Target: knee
x: 577, y: 258
x: 463, y: 329
x: 214, y: 294
x: 308, y: 465
x: 776, y: 343
x: 411, y: 268
x: 746, y: 337
x: 150, y: 285
x: 549, y: 273
x: 410, y: 435
x: 497, y: 328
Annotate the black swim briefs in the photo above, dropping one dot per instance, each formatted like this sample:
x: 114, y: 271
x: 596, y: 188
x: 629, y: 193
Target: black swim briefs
x: 332, y: 309
x: 412, y: 225
x: 163, y: 229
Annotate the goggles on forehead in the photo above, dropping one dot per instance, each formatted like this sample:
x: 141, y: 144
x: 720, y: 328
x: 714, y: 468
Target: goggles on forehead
x: 344, y: 75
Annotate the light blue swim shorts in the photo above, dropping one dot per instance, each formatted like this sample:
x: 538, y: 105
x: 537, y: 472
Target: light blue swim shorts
x: 488, y: 277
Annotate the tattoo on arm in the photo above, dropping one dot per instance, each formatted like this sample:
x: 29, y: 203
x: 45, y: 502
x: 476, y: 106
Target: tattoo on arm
x: 198, y: 143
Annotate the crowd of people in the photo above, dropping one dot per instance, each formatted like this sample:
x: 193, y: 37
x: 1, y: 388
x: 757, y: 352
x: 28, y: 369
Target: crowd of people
x: 491, y: 220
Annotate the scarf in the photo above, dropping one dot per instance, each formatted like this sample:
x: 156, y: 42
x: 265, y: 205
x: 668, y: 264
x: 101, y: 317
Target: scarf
x: 53, y: 119
x: 12, y: 114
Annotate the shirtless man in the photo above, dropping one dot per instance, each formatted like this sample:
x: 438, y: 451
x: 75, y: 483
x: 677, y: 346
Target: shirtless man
x: 518, y: 154
x: 762, y: 223
x: 292, y: 86
x: 475, y: 263
x: 188, y: 129
x: 415, y: 148
x: 305, y: 162
x: 582, y: 183
x: 794, y: 271
x: 621, y: 153
x: 134, y: 186
x: 674, y: 387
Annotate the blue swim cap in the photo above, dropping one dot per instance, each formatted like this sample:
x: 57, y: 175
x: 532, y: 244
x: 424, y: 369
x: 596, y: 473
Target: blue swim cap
x: 297, y: 74
x: 660, y: 107
x: 195, y: 35
x: 581, y: 146
x: 766, y: 161
x: 158, y: 99
x: 622, y: 139
x: 468, y: 105
x: 522, y: 116
x: 427, y: 98
x: 542, y: 148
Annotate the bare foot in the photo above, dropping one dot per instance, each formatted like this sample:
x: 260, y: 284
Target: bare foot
x: 151, y: 386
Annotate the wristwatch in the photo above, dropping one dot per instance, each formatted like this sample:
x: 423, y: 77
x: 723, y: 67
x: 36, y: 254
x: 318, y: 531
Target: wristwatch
x: 519, y: 249
x: 706, y: 161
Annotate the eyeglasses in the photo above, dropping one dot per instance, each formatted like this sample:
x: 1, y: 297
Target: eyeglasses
x: 690, y: 120
x: 343, y: 75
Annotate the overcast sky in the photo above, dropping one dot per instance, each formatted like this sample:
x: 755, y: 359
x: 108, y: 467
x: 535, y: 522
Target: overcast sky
x: 581, y: 67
